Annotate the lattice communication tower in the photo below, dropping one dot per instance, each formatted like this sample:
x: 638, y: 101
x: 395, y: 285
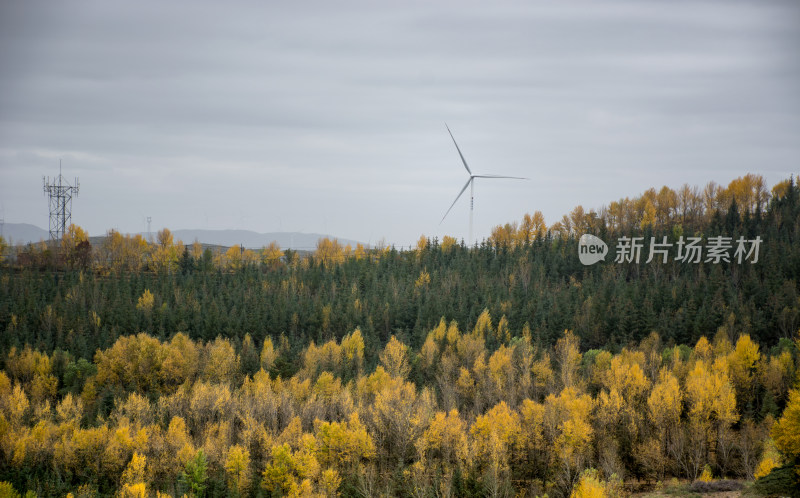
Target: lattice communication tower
x: 60, y: 193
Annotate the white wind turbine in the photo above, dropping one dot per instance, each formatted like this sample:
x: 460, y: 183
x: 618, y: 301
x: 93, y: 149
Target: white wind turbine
x: 471, y: 184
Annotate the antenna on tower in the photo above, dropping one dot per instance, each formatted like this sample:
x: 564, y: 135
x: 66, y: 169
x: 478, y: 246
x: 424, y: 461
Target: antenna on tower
x: 60, y: 193
x: 149, y: 234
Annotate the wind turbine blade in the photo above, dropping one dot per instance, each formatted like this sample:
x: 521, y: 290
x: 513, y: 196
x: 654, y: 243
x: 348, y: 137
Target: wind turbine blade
x: 457, y: 197
x: 459, y: 150
x: 499, y: 176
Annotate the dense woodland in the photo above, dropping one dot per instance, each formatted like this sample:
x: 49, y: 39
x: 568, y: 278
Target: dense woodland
x: 509, y: 367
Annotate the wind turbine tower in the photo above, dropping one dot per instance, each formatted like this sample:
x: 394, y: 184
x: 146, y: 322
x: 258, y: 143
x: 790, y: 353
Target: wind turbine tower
x: 471, y: 184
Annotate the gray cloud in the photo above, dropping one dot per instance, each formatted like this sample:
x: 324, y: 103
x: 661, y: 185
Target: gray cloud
x: 328, y: 117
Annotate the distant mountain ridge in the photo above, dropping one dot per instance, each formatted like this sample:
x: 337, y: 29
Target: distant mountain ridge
x: 23, y: 233
x: 255, y: 240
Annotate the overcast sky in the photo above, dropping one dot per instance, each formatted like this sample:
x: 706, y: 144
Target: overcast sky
x: 330, y: 116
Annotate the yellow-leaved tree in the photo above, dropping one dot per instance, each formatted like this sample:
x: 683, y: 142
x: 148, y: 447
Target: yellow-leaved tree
x: 237, y: 468
x: 567, y: 426
x: 344, y: 446
x: 742, y: 362
x: 621, y: 408
x: 134, y: 480
x: 268, y: 354
x: 165, y: 255
x: 568, y: 357
x: 352, y: 351
x: 496, y: 436
x: 589, y: 486
x: 34, y: 370
x: 532, y: 227
x: 712, y: 410
x: 448, y: 243
x: 329, y: 252
x: 75, y: 247
x: 397, y: 417
x: 770, y: 459
x: 290, y: 473
x: 221, y: 363
x: 394, y: 358
x: 786, y: 431
x: 146, y: 301
x: 663, y: 415
x: 3, y: 248
x: 444, y: 445
x: 271, y: 256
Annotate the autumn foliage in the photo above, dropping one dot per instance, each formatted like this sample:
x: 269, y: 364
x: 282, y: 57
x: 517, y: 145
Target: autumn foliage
x: 151, y: 368
x: 180, y: 416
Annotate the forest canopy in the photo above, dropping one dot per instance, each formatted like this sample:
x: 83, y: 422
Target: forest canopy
x: 140, y: 367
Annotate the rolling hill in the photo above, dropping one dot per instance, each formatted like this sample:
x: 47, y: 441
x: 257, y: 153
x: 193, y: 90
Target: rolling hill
x: 23, y: 233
